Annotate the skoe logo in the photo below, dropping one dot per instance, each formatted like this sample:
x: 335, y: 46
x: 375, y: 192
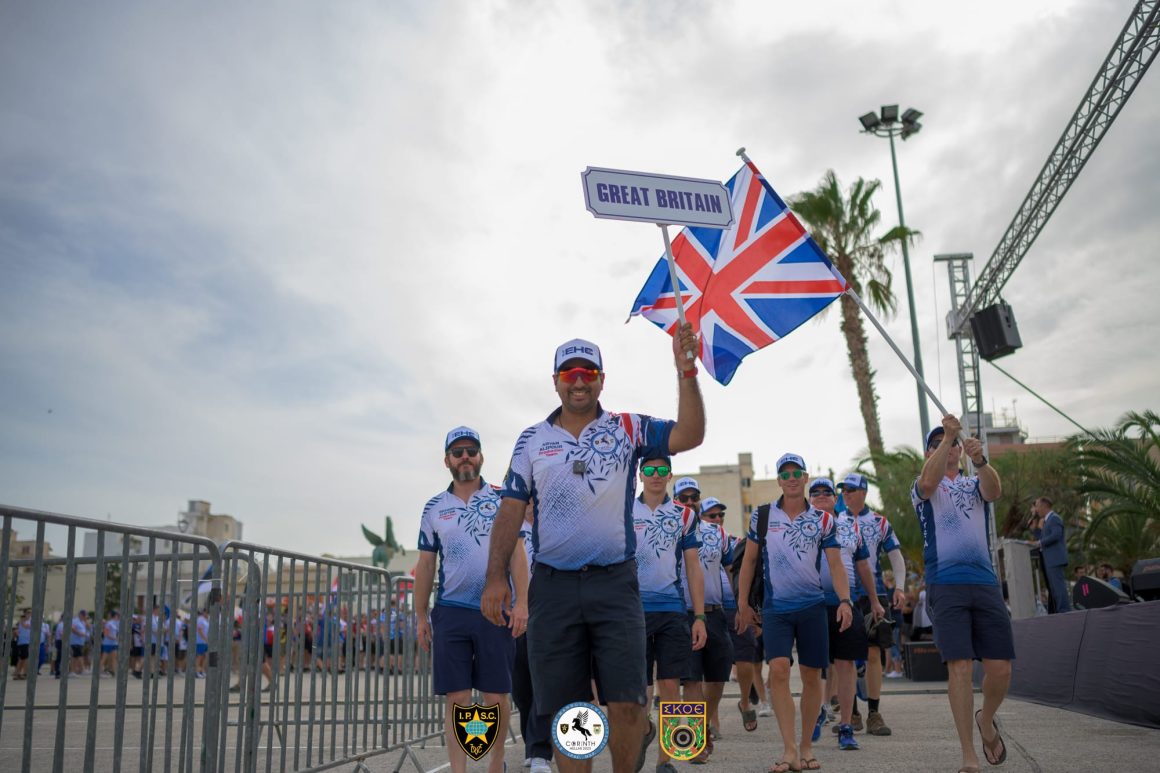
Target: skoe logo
x: 580, y: 730
x: 682, y: 735
x: 476, y: 728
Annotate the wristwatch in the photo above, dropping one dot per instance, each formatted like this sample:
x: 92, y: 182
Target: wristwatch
x: 983, y: 463
x: 846, y: 601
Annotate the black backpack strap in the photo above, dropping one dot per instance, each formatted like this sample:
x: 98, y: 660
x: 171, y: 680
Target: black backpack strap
x: 762, y: 522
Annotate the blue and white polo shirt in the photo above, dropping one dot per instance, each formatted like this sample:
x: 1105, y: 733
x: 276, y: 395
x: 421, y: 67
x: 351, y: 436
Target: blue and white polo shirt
x: 793, y: 554
x: 853, y: 548
x: 662, y: 537
x: 715, y: 550
x: 460, y: 532
x: 954, y: 533
x: 584, y: 488
x: 878, y: 534
x: 729, y: 599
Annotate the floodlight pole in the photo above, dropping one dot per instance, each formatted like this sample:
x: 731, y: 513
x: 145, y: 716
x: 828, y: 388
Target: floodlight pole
x: 923, y: 416
x: 889, y: 128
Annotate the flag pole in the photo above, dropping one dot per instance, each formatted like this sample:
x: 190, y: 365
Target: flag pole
x: 673, y: 278
x: 926, y: 388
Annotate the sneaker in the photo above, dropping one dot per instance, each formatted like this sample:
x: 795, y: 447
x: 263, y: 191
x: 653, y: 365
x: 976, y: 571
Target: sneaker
x: 856, y: 723
x: 764, y: 710
x: 540, y: 765
x: 846, y: 740
x: 199, y: 675
x: 818, y: 726
x: 894, y: 675
x: 649, y: 735
x: 527, y: 762
x: 875, y: 725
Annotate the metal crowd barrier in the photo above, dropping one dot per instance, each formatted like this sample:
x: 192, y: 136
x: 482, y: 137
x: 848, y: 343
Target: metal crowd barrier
x: 308, y: 664
x: 93, y: 722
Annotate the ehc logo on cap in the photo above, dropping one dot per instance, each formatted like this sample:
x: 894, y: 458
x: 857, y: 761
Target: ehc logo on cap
x: 578, y: 349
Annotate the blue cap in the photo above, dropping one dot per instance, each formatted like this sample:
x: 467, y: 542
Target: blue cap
x: 934, y: 432
x: 710, y: 502
x: 686, y: 483
x: 790, y: 459
x: 460, y: 433
x: 821, y: 483
x: 578, y: 349
x: 854, y: 481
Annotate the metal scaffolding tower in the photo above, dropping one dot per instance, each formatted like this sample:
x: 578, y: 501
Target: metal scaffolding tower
x: 1128, y: 60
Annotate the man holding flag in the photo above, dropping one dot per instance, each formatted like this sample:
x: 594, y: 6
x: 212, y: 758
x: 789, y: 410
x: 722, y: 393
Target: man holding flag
x: 579, y: 464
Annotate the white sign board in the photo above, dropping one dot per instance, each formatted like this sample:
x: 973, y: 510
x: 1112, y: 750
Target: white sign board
x: 656, y: 198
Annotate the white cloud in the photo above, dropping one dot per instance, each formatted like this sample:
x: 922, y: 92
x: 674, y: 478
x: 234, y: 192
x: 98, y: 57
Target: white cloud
x: 267, y: 256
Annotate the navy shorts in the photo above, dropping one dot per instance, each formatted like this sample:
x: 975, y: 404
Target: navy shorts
x: 714, y: 661
x: 971, y: 622
x: 107, y: 648
x: 849, y: 644
x: 745, y: 649
x: 580, y: 620
x: 808, y: 627
x: 668, y: 644
x: 469, y: 651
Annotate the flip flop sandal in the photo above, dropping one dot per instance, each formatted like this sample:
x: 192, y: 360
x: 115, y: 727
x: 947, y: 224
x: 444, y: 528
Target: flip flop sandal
x: 748, y: 718
x: 811, y: 763
x: 996, y: 750
x: 782, y: 766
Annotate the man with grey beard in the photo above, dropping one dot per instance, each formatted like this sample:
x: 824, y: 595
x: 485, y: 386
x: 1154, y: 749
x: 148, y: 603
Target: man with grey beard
x: 468, y: 651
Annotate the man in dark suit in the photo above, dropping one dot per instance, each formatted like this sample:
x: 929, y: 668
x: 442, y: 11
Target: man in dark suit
x: 1053, y: 543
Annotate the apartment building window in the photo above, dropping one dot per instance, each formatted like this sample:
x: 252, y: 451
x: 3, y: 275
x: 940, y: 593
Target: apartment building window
x: 746, y: 482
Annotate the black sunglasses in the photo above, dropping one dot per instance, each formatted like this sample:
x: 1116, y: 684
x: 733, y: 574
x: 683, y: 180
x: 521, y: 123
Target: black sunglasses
x: 689, y: 498
x: 458, y: 453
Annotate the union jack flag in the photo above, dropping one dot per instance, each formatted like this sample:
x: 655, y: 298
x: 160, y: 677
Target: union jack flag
x: 746, y: 286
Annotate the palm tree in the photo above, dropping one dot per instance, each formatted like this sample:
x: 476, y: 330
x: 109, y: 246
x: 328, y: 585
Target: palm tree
x: 843, y: 227
x: 893, y: 474
x: 1120, y: 469
x: 1121, y: 541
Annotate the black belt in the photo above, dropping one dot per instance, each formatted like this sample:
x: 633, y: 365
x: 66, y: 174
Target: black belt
x: 712, y: 608
x: 586, y: 568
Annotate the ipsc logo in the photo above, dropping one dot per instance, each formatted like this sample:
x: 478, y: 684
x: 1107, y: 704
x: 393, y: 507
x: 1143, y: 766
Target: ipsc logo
x: 682, y: 729
x: 476, y: 728
x: 580, y: 730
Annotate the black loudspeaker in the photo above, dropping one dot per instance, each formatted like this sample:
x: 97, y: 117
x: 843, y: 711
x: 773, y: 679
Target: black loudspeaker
x: 995, y: 332
x: 1146, y: 579
x: 923, y: 663
x: 1093, y: 593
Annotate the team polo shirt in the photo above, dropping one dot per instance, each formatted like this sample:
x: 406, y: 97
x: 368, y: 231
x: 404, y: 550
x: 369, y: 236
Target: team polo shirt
x: 662, y: 537
x: 793, y: 554
x: 24, y: 632
x: 728, y: 598
x: 954, y: 533
x: 460, y: 533
x: 78, y: 633
x: 853, y: 548
x: 109, y: 632
x: 715, y: 550
x: 526, y: 536
x: 878, y: 534
x: 584, y: 487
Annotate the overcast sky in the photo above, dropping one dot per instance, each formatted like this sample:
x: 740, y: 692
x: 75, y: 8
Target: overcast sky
x: 267, y: 255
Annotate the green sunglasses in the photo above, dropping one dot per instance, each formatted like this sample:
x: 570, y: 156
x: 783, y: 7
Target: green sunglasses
x: 795, y: 474
x: 650, y: 470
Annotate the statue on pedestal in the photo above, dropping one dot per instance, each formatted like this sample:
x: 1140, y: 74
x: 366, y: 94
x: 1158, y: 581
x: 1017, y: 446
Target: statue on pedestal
x: 385, y: 547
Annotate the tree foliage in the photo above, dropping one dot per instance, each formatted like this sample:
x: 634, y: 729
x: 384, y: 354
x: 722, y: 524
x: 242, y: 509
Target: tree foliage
x: 844, y: 225
x: 893, y: 474
x: 1119, y: 469
x: 1026, y: 476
